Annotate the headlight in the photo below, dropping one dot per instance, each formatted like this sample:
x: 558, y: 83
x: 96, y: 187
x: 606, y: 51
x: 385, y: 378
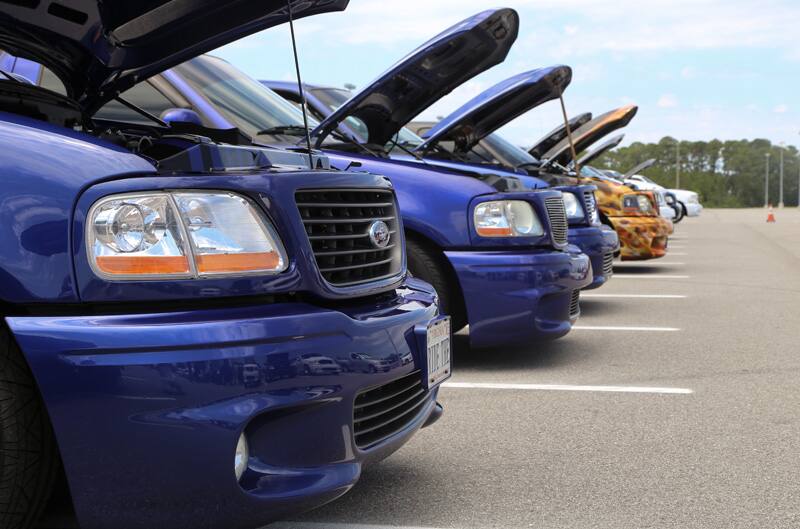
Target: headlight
x: 180, y: 235
x: 637, y: 204
x: 573, y: 206
x: 506, y: 218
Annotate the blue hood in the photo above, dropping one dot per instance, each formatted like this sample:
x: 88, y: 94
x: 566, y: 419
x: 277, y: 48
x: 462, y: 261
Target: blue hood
x: 497, y: 106
x: 598, y: 151
x: 427, y: 74
x: 547, y: 141
x: 101, y: 48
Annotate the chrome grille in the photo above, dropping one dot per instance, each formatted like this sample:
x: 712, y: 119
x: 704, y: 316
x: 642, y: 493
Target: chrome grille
x: 590, y: 203
x: 337, y: 222
x: 558, y: 219
x: 574, y: 304
x: 608, y: 264
x: 383, y: 411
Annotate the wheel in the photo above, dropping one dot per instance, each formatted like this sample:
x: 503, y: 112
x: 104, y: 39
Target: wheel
x: 28, y: 456
x: 372, y: 369
x: 429, y: 264
x: 681, y: 213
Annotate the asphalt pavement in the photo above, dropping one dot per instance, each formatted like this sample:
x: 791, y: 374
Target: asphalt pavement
x: 675, y: 403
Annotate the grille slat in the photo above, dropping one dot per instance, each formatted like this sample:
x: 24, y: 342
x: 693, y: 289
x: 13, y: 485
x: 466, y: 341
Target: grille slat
x: 394, y: 406
x: 338, y: 222
x: 575, y: 304
x: 557, y: 215
x: 345, y: 220
x: 608, y: 264
x: 353, y: 267
x: 381, y: 412
x: 345, y: 205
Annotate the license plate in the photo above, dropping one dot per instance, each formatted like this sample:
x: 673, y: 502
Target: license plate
x: 437, y: 345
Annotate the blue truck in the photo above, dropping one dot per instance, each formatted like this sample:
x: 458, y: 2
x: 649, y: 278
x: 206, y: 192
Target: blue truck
x: 466, y: 141
x: 182, y: 306
x: 496, y: 250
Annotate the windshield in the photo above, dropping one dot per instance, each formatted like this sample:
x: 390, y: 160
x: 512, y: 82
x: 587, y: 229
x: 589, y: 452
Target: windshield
x: 506, y: 152
x: 245, y: 102
x: 333, y: 98
x: 588, y: 170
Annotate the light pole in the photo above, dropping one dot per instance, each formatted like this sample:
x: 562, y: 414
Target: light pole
x: 780, y: 187
x: 766, y: 182
x: 677, y: 164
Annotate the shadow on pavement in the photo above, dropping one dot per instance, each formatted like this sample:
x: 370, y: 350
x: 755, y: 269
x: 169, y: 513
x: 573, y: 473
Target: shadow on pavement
x: 505, y: 358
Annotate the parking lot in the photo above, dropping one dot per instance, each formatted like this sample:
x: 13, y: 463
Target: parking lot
x: 672, y: 404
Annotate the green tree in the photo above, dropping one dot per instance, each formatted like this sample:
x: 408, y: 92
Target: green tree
x: 725, y: 174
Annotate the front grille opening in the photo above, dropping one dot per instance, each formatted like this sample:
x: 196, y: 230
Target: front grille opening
x: 591, y: 205
x: 558, y: 219
x: 575, y: 304
x: 337, y: 222
x: 383, y: 411
x: 608, y: 264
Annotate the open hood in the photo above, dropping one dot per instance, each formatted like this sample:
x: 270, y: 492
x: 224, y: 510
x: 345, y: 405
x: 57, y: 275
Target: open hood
x: 639, y: 168
x: 427, y: 74
x: 101, y: 48
x: 493, y: 108
x: 600, y: 150
x: 557, y: 134
x: 588, y: 133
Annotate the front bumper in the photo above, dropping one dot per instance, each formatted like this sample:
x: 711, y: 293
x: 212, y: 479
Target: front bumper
x: 147, y: 408
x: 515, y: 297
x: 642, y: 237
x: 599, y: 243
x: 693, y: 209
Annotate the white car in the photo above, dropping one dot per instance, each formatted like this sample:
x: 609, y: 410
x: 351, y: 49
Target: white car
x: 689, y: 201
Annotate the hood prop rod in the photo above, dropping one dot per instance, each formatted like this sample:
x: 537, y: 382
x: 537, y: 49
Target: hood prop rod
x: 569, y: 135
x: 300, y: 86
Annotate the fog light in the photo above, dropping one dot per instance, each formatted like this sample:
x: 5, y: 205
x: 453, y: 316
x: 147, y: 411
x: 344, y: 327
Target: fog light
x: 242, y: 457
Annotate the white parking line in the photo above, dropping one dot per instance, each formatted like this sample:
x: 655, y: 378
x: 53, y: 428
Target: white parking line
x: 567, y: 387
x: 644, y: 276
x: 623, y: 328
x: 673, y: 254
x: 634, y: 296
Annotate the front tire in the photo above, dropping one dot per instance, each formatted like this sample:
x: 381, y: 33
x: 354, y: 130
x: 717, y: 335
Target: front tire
x: 429, y: 265
x: 681, y: 213
x: 28, y: 455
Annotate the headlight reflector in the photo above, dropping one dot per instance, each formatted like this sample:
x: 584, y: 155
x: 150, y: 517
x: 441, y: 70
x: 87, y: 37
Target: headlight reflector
x: 161, y: 235
x: 506, y: 218
x: 573, y: 206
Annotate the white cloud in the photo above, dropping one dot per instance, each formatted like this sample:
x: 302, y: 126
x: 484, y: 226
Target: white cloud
x: 687, y: 72
x: 667, y: 101
x: 781, y: 109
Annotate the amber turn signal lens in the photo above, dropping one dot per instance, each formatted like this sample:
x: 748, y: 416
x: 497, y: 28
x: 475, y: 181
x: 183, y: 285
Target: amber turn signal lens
x: 237, y: 262
x: 495, y: 232
x: 123, y: 265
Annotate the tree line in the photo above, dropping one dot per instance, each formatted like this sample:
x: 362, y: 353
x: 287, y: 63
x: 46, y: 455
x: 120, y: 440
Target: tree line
x: 724, y: 173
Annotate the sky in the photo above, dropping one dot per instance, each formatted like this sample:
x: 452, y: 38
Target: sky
x: 698, y: 70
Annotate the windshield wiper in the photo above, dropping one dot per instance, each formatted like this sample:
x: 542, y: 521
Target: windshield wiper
x: 403, y: 146
x: 283, y: 130
x: 348, y: 139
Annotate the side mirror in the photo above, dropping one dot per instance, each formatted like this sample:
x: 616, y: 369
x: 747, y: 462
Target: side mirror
x: 184, y: 115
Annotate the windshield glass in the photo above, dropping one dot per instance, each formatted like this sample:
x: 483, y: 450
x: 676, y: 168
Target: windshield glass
x: 333, y: 98
x: 506, y: 152
x: 245, y: 102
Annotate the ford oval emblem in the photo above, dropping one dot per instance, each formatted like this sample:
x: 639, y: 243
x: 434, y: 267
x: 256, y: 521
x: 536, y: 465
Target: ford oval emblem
x: 379, y: 234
